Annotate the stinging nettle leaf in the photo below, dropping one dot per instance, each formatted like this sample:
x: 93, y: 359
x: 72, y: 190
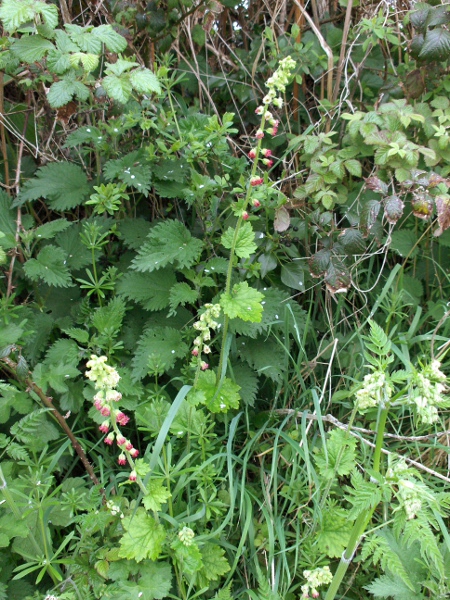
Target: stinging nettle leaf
x: 63, y: 184
x: 167, y: 243
x: 49, y: 266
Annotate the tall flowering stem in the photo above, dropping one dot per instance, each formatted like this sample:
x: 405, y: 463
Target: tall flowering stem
x: 106, y: 399
x: 277, y: 86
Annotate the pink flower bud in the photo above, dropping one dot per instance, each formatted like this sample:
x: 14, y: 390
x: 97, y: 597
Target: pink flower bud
x: 245, y: 215
x: 109, y: 438
x: 133, y: 476
x: 273, y: 131
x: 195, y: 352
x: 252, y: 153
x: 98, y: 404
x: 104, y: 427
x: 256, y: 203
x: 259, y: 134
x: 256, y: 181
x: 259, y: 110
x: 134, y: 452
x: 268, y: 162
x: 122, y: 460
x: 122, y: 418
x: 266, y: 152
x: 128, y: 446
x: 105, y: 411
x: 204, y: 366
x: 121, y: 441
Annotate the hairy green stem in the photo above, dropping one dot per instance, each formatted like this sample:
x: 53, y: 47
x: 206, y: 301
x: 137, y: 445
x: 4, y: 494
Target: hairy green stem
x: 233, y: 247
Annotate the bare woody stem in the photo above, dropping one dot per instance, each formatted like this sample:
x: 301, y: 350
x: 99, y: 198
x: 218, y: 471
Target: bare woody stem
x: 48, y: 402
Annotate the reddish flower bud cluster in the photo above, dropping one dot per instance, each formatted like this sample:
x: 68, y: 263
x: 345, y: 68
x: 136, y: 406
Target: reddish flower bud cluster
x: 254, y: 181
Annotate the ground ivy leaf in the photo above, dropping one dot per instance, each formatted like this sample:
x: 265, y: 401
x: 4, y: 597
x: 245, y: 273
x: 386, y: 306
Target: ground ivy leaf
x: 244, y: 302
x: 144, y: 537
x: 245, y: 240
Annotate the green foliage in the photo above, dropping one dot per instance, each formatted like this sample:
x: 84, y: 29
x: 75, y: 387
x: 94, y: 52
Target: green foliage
x: 143, y: 538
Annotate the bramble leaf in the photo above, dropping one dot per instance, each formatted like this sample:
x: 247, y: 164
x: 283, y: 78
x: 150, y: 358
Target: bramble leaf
x: 31, y: 48
x: 145, y: 82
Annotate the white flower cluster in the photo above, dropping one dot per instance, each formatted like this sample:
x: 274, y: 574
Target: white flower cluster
x: 278, y: 82
x: 204, y: 325
x: 375, y: 391
x: 186, y: 535
x: 410, y: 493
x: 314, y: 579
x: 105, y: 376
x: 426, y: 391
x: 114, y: 509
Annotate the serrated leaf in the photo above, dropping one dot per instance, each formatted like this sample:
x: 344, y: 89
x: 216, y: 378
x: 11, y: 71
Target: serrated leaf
x: 76, y: 253
x: 393, y: 209
x: 156, y: 496
x: 182, y: 293
x: 334, y: 533
x: 388, y: 586
x: 49, y: 266
x: 243, y: 302
x: 169, y: 242
x: 369, y: 214
x: 220, y: 399
x: 50, y: 229
x: 112, y: 40
x: 318, y: 263
x: 443, y: 211
x: 80, y: 335
x: 353, y: 166
x: 143, y: 539
x: 62, y: 92
x: 31, y: 48
x: 89, y: 62
x: 436, y: 45
x: 245, y: 240
x: 340, y: 456
x: 145, y: 82
x: 404, y: 242
x: 14, y: 13
x: 214, y: 562
x: 118, y: 88
x: 188, y: 557
x: 133, y: 232
x: 419, y: 17
x: 151, y: 290
x: 161, y: 345
x: 352, y: 241
x: 130, y: 169
x: 264, y: 355
x: 63, y: 184
x: 247, y: 380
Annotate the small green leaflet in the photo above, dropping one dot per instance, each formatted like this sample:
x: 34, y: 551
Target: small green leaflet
x: 143, y: 539
x: 50, y: 229
x: 118, y: 88
x: 245, y: 240
x: 243, y: 302
x: 334, y: 534
x: 90, y: 39
x: 50, y: 267
x: 167, y: 243
x: 63, y: 184
x: 145, y: 82
x: 188, y: 557
x: 216, y: 399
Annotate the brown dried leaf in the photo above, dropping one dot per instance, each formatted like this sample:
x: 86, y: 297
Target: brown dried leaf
x: 443, y: 211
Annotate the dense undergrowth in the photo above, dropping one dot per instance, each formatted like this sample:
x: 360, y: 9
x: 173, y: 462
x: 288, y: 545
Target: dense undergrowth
x: 224, y: 254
